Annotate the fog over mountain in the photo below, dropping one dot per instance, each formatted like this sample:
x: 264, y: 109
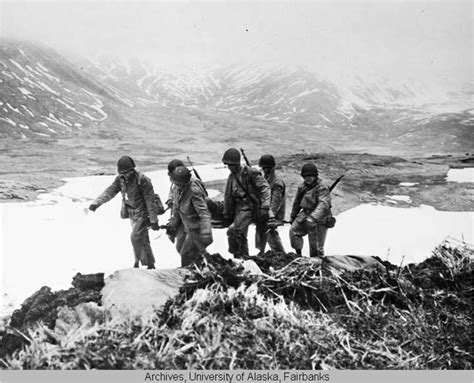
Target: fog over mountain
x: 160, y: 80
x: 398, y: 41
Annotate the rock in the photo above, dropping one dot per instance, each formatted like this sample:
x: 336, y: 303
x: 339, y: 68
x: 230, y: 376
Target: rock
x: 44, y: 305
x: 251, y: 267
x: 88, y: 281
x: 135, y: 294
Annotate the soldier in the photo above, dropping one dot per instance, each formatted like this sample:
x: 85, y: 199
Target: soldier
x: 311, y: 209
x: 137, y: 193
x: 191, y: 213
x: 246, y: 200
x: 277, y: 206
x: 176, y: 237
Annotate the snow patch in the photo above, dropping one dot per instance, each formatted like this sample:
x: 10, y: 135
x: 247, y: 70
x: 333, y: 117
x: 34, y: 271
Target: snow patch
x: 402, y: 198
x: 460, y: 175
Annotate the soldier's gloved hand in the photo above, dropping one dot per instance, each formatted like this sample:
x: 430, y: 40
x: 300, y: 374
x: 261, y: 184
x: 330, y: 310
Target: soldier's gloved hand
x: 154, y: 226
x: 171, y: 230
x: 272, y: 223
x: 206, y: 237
x: 227, y: 221
x: 93, y: 206
x: 263, y: 215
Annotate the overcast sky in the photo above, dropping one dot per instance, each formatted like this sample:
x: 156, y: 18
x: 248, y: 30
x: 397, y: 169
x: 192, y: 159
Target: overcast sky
x: 399, y: 38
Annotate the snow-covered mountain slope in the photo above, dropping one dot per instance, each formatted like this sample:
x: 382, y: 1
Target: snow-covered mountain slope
x: 292, y: 96
x: 42, y: 94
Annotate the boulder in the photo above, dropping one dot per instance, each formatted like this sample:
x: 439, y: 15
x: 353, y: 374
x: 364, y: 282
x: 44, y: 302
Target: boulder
x: 135, y: 294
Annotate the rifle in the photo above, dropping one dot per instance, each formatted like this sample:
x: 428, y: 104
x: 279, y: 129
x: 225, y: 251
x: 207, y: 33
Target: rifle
x: 245, y: 157
x: 197, y: 175
x: 334, y: 184
x: 194, y: 170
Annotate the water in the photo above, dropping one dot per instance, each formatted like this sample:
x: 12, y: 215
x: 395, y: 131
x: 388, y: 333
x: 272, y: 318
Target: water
x: 47, y: 241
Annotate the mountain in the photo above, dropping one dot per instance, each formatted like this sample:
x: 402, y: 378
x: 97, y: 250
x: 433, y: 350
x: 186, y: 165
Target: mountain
x: 43, y: 95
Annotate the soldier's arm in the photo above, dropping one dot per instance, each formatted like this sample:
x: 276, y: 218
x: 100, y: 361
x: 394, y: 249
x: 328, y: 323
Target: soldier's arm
x: 109, y: 193
x: 228, y: 200
x: 263, y: 189
x: 324, y: 204
x: 296, y: 203
x: 148, y: 194
x: 278, y: 193
x: 199, y: 202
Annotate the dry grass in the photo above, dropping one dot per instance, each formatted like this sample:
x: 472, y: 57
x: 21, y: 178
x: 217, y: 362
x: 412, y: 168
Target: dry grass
x: 301, y: 316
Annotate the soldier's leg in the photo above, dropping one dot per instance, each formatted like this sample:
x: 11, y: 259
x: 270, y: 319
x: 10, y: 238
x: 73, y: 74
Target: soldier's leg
x: 189, y: 251
x: 139, y: 237
x: 274, y: 241
x: 180, y: 236
x: 237, y: 233
x: 317, y: 238
x: 297, y: 232
x: 260, y: 237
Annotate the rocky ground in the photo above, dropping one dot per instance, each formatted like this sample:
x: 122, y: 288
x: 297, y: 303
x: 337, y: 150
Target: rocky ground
x: 370, y: 178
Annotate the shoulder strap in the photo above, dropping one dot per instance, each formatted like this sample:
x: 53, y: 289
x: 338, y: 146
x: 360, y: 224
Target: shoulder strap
x: 139, y: 183
x: 122, y: 187
x: 241, y: 186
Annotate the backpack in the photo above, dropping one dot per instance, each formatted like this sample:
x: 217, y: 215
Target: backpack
x: 157, y: 205
x: 156, y: 200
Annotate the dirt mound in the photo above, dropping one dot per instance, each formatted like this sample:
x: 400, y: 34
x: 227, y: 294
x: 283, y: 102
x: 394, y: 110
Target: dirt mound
x: 300, y: 313
x: 43, y: 306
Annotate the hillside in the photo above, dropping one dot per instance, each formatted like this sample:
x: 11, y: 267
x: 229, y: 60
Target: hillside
x: 64, y: 117
x: 294, y: 313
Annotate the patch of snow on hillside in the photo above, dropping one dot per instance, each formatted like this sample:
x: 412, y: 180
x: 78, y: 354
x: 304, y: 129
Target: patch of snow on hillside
x: 19, y: 66
x: 53, y: 118
x: 24, y: 91
x: 324, y: 117
x: 11, y: 122
x: 304, y: 93
x: 8, y: 74
x: 16, y: 110
x: 403, y: 198
x: 46, y: 74
x: 27, y: 110
x: 47, y: 88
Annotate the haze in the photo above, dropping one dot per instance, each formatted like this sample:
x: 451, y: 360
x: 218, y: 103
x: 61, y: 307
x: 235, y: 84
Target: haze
x: 398, y: 39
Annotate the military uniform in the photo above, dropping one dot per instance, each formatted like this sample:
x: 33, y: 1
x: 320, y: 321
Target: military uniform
x: 277, y: 209
x: 138, y: 194
x: 239, y: 210
x: 191, y: 216
x: 311, y: 208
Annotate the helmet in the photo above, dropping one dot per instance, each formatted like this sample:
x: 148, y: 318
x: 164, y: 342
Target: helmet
x: 231, y: 157
x: 180, y: 175
x: 309, y: 170
x: 267, y: 161
x: 124, y: 164
x: 174, y: 164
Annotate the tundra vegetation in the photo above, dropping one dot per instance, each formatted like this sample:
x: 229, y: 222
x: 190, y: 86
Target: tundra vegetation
x: 298, y: 314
